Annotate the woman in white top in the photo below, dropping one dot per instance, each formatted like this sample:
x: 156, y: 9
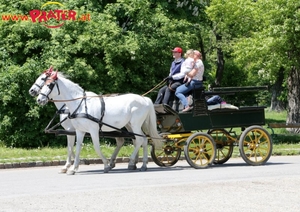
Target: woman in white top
x: 194, y: 76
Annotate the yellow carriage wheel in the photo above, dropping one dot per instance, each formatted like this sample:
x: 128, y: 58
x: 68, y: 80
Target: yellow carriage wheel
x: 255, y: 145
x: 224, y: 145
x: 168, y: 155
x: 200, y: 150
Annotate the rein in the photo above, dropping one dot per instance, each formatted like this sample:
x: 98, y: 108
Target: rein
x: 70, y: 100
x: 99, y: 96
x: 157, y: 86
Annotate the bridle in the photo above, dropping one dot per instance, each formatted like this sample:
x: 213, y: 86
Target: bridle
x: 43, y: 80
x: 50, y: 86
x: 42, y: 84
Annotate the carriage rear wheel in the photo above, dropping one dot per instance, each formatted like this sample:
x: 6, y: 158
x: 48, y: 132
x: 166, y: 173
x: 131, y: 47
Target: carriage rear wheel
x: 224, y: 145
x: 168, y: 155
x: 200, y: 150
x: 255, y: 145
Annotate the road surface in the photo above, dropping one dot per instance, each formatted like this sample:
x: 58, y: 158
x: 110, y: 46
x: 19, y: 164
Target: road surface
x: 234, y: 186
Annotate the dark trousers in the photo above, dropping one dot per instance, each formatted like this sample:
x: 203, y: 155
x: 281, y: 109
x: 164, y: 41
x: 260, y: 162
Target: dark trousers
x: 160, y: 95
x: 214, y: 100
x: 166, y: 94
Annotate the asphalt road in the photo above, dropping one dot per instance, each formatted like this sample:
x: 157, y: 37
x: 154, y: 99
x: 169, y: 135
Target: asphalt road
x: 234, y: 186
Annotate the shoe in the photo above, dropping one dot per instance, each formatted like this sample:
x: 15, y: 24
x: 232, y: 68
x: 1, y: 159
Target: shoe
x: 188, y: 108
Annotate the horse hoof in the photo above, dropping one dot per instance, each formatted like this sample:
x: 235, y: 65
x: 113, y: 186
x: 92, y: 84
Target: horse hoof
x: 70, y: 172
x: 112, y: 166
x: 132, y: 167
x: 143, y: 168
x: 62, y: 171
x: 107, y: 169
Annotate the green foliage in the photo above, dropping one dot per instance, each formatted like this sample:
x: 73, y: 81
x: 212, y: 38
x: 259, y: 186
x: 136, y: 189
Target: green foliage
x: 124, y: 47
x: 262, y: 35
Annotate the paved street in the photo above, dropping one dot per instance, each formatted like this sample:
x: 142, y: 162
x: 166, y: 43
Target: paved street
x: 234, y: 186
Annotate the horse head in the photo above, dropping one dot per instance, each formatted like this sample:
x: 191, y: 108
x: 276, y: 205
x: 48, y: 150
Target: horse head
x: 40, y: 81
x: 48, y: 91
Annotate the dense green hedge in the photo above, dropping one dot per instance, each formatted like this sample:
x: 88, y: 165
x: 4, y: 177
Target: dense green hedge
x: 124, y: 47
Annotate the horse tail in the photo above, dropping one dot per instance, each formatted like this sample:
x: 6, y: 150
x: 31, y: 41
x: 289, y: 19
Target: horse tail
x: 150, y: 125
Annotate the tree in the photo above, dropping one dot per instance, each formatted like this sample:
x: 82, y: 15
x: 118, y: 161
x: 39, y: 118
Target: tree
x: 264, y: 36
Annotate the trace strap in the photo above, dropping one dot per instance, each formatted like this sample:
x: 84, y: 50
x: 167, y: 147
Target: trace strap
x: 60, y: 111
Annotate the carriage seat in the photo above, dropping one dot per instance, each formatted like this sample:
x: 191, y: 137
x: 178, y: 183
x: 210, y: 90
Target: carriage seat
x: 200, y: 104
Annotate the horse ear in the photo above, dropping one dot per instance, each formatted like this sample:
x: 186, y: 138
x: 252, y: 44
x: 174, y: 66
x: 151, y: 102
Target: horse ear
x: 48, y: 72
x: 54, y: 75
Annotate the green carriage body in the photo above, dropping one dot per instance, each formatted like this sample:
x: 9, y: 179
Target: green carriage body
x: 215, y: 119
x: 202, y: 118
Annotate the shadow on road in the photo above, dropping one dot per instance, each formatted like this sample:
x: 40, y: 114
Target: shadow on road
x: 117, y: 170
x: 125, y: 170
x: 245, y: 164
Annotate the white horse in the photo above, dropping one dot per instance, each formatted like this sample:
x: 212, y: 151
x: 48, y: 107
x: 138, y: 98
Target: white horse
x: 67, y: 124
x: 90, y: 114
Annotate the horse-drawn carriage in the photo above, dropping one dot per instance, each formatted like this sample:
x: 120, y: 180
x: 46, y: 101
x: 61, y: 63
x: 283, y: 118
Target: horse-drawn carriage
x: 94, y: 114
x: 202, y: 133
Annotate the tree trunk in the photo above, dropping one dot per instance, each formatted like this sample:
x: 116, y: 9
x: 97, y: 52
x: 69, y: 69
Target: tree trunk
x: 201, y: 46
x: 220, y: 62
x: 276, y: 104
x: 293, y: 115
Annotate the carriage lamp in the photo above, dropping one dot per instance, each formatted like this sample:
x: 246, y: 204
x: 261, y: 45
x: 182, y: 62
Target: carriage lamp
x: 178, y: 122
x: 159, y: 124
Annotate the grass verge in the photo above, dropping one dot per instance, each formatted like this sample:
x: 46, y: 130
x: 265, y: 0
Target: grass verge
x: 284, y: 143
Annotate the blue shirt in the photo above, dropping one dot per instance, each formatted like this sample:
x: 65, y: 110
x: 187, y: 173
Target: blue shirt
x: 175, y: 69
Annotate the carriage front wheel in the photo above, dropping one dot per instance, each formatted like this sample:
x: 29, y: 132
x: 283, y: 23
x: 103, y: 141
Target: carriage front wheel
x: 168, y: 155
x: 255, y: 145
x: 200, y: 150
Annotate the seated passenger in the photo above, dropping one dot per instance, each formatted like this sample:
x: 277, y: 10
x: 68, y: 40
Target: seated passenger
x: 214, y: 100
x: 175, y: 79
x: 193, y: 68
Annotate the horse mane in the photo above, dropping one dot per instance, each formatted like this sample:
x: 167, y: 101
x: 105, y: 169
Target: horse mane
x: 62, y: 76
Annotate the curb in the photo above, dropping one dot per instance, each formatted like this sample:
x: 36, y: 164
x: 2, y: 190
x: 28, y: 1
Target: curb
x: 61, y: 163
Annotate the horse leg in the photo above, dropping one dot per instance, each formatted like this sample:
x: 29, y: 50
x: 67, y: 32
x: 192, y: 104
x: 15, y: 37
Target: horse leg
x: 137, y: 155
x: 134, y: 156
x: 79, y: 140
x: 145, y: 154
x: 120, y: 142
x: 95, y: 137
x: 129, y: 128
x: 71, y: 141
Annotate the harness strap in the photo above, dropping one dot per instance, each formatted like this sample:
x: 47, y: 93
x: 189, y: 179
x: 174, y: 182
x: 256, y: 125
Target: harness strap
x: 102, y: 111
x: 60, y: 111
x: 84, y: 115
x: 99, y: 121
x: 74, y: 115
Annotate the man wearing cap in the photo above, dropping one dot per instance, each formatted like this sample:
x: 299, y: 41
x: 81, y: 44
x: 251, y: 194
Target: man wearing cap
x: 175, y: 79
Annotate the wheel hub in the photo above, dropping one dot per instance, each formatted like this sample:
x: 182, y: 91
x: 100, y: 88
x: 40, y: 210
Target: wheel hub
x: 252, y: 146
x: 168, y: 150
